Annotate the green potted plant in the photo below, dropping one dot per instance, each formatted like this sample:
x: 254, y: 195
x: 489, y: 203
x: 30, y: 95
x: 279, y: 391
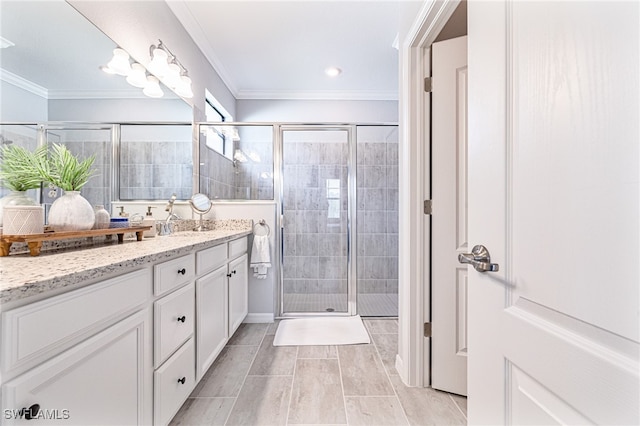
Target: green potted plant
x: 70, y: 212
x: 19, y: 172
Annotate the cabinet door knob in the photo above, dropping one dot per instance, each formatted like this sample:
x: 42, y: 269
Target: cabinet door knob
x: 182, y: 380
x: 233, y: 272
x: 31, y: 412
x: 229, y: 275
x: 182, y: 319
x: 182, y: 271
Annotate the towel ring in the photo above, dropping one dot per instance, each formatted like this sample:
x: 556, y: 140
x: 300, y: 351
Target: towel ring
x: 263, y: 225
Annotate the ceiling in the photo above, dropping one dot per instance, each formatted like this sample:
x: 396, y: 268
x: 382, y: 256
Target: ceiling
x: 261, y: 49
x: 280, y: 49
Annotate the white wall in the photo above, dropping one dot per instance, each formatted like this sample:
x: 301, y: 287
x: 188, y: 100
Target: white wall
x: 119, y: 110
x: 136, y: 25
x: 17, y: 104
x: 302, y: 111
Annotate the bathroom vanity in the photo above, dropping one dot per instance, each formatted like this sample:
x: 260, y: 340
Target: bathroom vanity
x: 118, y: 334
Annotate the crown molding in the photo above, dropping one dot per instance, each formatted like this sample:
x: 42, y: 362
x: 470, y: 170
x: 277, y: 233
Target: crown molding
x: 97, y: 94
x: 350, y: 95
x: 186, y: 18
x: 23, y: 83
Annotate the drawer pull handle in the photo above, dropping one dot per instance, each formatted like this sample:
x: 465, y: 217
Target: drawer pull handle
x: 182, y: 380
x: 182, y: 319
x: 229, y: 275
x: 31, y: 412
x: 182, y: 271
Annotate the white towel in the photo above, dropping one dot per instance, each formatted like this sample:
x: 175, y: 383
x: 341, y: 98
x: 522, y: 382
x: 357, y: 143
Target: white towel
x: 260, y: 256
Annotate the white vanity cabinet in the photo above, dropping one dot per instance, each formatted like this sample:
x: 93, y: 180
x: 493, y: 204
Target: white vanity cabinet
x: 82, y: 356
x: 238, y: 292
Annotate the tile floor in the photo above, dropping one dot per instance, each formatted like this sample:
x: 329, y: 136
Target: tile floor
x: 254, y: 383
x: 369, y: 304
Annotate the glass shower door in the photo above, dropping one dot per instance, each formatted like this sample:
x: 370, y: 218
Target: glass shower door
x: 315, y: 209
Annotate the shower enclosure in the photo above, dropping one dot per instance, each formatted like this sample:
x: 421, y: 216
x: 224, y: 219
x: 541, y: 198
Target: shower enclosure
x: 339, y: 220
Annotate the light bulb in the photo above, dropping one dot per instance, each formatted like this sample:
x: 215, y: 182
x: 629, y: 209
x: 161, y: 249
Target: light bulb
x: 152, y: 88
x: 184, y: 88
x: 138, y: 76
x: 159, y: 65
x: 119, y: 64
x: 172, y: 77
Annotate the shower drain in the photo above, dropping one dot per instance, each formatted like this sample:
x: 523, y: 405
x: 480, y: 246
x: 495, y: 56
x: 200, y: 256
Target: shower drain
x: 330, y: 310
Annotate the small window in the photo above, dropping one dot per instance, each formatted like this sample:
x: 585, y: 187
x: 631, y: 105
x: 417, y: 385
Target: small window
x: 217, y: 138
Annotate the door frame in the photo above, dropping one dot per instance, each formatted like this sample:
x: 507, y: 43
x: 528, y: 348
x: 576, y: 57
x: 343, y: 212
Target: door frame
x: 415, y: 180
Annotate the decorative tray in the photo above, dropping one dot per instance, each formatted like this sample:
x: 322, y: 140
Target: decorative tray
x: 34, y: 241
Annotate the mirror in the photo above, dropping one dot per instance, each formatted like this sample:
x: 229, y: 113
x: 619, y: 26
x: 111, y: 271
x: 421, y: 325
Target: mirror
x: 200, y: 204
x: 50, y: 72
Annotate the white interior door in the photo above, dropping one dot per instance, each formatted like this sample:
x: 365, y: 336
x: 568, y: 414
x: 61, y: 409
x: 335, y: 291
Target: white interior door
x: 449, y: 217
x: 553, y: 195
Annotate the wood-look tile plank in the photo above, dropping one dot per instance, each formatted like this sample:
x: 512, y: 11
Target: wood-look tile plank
x: 381, y: 326
x: 274, y: 360
x: 248, y: 335
x: 317, y: 352
x: 375, y: 410
x: 387, y: 345
x: 271, y: 329
x: 316, y: 397
x: 203, y: 411
x: 225, y: 377
x: 362, y: 371
x: 426, y: 406
x: 263, y: 400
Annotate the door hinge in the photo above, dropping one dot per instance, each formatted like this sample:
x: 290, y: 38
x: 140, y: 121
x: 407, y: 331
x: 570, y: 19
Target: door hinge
x: 427, y: 84
x: 427, y: 329
x: 428, y: 207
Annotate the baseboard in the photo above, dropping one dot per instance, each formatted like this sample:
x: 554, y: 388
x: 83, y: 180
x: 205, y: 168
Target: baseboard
x: 259, y: 318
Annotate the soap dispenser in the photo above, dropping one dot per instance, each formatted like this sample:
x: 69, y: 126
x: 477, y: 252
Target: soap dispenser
x: 122, y: 213
x: 149, y: 220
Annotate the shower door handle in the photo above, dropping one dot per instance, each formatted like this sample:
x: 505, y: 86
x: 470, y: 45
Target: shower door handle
x: 480, y: 259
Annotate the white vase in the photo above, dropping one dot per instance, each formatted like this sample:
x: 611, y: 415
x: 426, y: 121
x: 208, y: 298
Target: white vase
x: 103, y: 217
x: 15, y: 198
x: 23, y: 220
x: 71, y: 212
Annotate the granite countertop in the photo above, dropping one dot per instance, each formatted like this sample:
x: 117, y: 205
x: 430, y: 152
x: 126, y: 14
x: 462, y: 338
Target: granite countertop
x: 23, y: 276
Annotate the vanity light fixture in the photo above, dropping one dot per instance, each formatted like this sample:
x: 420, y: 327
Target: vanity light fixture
x: 169, y: 70
x: 119, y: 64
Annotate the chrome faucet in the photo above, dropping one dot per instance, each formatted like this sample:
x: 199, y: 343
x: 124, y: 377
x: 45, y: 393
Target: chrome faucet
x: 169, y: 208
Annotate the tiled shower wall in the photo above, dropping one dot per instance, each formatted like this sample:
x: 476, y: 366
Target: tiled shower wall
x: 377, y: 212
x: 217, y: 175
x: 314, y: 243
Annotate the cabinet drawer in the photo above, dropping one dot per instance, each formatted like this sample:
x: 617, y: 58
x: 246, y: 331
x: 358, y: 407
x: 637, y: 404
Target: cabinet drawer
x: 40, y: 330
x: 173, y: 273
x: 173, y: 322
x: 237, y: 247
x: 173, y: 383
x: 210, y: 259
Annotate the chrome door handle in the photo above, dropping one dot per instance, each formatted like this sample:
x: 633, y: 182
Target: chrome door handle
x: 480, y: 259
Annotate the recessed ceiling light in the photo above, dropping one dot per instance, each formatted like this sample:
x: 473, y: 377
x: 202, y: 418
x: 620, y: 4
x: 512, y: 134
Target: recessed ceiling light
x: 333, y: 71
x: 4, y: 43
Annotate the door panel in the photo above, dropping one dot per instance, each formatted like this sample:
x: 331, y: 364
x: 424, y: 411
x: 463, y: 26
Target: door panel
x: 449, y: 217
x: 553, y: 184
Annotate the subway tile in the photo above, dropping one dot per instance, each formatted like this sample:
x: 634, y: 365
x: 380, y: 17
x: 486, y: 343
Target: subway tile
x: 274, y: 360
x: 273, y: 394
x: 203, y: 411
x: 375, y: 410
x: 362, y: 371
x: 316, y: 396
x: 226, y: 375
